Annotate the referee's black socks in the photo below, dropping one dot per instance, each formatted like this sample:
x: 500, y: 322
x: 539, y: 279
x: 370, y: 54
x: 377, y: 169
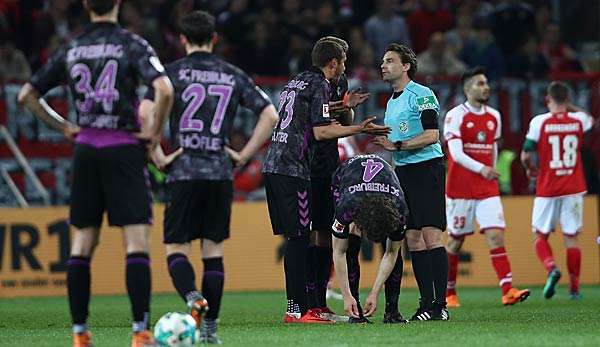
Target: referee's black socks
x: 421, y: 263
x: 439, y: 261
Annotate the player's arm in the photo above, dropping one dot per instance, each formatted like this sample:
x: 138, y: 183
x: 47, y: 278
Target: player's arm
x: 30, y: 98
x: 455, y: 147
x: 430, y: 135
x: 262, y: 131
x: 343, y: 110
x: 157, y: 155
x: 335, y: 130
x: 340, y: 246
x: 388, y: 261
x: 529, y: 148
x: 163, y: 101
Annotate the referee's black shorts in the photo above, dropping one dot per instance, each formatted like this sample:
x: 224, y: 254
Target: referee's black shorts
x: 424, y: 186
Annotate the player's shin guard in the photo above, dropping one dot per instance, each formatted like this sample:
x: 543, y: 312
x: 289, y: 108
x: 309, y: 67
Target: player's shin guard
x: 295, y: 271
x: 182, y: 274
x: 502, y: 267
x: 354, y: 243
x: 311, y: 277
x: 574, y: 266
x: 324, y: 257
x: 139, y: 285
x: 439, y: 269
x: 421, y: 262
x: 212, y: 285
x: 452, y: 273
x: 392, y: 286
x: 544, y: 252
x: 78, y: 287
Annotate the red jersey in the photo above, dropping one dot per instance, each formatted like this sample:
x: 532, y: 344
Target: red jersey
x: 478, y: 129
x: 559, y: 137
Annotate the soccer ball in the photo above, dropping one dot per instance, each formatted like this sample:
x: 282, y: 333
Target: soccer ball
x: 176, y: 329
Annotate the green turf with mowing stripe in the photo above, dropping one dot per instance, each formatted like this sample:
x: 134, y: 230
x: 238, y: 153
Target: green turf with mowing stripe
x: 253, y: 319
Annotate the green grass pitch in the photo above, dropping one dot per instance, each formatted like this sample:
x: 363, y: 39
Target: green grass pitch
x: 254, y: 319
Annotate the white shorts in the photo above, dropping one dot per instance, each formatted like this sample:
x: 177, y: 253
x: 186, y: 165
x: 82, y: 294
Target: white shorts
x: 566, y: 209
x: 461, y: 213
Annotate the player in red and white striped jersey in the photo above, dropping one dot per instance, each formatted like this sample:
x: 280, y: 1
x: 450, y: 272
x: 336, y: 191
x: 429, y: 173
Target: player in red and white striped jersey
x: 471, y: 130
x: 557, y: 137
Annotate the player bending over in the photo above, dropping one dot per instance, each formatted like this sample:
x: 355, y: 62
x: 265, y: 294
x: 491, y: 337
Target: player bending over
x: 369, y: 201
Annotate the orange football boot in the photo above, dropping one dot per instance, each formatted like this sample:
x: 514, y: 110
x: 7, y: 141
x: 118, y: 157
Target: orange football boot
x: 82, y: 339
x: 452, y: 301
x: 514, y: 296
x: 143, y: 339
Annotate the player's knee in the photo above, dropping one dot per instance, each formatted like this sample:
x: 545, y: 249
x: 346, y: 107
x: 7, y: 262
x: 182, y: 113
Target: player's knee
x: 84, y: 242
x: 495, y: 238
x: 571, y: 241
x: 432, y: 238
x: 211, y: 249
x: 415, y: 241
x: 455, y: 244
x: 176, y: 248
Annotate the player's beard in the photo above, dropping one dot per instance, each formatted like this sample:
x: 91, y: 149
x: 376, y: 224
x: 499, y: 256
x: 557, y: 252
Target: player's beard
x: 483, y: 99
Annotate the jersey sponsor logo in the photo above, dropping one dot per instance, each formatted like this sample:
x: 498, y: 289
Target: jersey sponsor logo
x: 338, y: 227
x: 326, y: 110
x: 403, y: 126
x: 470, y: 125
x: 157, y: 65
x: 490, y: 125
x: 426, y: 103
x: 481, y: 136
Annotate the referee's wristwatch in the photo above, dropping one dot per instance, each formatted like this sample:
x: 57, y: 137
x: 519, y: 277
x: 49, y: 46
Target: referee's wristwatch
x: 398, y: 145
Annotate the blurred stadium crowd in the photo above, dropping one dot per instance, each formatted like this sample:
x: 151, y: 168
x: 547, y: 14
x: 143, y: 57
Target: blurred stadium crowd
x: 271, y: 40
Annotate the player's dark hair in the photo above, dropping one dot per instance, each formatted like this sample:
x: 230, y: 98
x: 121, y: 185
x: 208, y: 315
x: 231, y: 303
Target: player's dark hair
x: 558, y: 91
x: 325, y: 50
x: 198, y: 27
x: 467, y: 75
x: 377, y: 217
x: 407, y: 56
x: 101, y: 7
x: 337, y: 40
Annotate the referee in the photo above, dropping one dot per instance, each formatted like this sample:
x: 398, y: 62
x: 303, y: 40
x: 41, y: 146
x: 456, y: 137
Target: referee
x: 412, y: 114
